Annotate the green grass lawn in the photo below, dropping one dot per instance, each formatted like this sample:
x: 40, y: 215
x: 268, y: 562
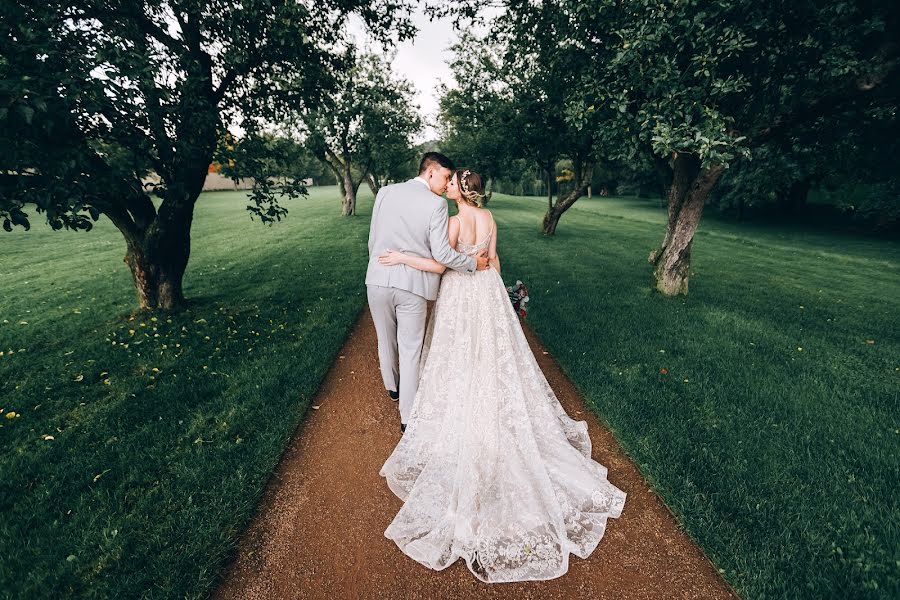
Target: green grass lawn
x: 165, y: 429
x: 773, y: 433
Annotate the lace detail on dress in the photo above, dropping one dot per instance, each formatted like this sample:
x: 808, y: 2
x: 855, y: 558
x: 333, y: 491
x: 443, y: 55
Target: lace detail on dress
x: 491, y: 468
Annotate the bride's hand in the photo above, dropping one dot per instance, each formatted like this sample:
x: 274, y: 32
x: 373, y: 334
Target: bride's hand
x: 391, y: 258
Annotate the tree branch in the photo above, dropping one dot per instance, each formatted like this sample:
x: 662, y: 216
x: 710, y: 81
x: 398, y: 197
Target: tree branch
x: 254, y: 61
x: 335, y: 164
x: 151, y: 29
x: 230, y: 77
x: 141, y: 208
x: 122, y: 220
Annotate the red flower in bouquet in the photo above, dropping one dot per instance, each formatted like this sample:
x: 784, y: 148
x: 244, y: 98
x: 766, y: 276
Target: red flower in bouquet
x: 518, y: 295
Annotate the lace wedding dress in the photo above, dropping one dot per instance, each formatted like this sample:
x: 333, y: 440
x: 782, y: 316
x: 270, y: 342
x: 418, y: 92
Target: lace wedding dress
x: 491, y: 469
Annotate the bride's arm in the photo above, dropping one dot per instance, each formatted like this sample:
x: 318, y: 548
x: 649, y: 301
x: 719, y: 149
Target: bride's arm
x: 392, y: 257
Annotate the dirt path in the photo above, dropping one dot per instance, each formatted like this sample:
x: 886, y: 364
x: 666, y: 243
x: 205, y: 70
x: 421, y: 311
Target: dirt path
x: 320, y: 528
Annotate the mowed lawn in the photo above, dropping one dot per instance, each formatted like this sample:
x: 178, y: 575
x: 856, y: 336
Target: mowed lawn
x: 164, y: 428
x: 764, y: 407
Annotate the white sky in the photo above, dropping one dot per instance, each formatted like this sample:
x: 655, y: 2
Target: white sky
x: 422, y: 61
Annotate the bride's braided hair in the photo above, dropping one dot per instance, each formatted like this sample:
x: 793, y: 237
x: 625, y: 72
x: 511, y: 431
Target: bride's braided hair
x: 471, y: 188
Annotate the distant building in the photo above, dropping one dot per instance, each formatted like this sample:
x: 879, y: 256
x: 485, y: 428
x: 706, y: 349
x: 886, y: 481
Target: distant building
x: 215, y: 181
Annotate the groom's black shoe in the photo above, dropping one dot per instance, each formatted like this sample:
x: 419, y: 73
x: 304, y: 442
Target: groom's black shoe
x: 402, y: 428
x: 394, y: 395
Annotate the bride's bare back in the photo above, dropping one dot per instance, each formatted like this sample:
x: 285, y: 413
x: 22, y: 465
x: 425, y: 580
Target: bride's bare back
x: 475, y: 225
x: 474, y: 230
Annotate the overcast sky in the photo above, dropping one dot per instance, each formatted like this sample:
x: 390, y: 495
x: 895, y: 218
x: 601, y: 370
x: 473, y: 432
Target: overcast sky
x: 423, y: 61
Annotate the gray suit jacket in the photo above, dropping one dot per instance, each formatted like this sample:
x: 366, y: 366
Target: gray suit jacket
x: 410, y: 218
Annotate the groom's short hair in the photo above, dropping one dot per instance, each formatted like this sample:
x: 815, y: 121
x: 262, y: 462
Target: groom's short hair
x: 431, y: 158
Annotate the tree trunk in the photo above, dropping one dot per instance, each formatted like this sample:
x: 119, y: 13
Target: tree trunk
x: 337, y: 168
x: 158, y: 283
x: 158, y: 245
x: 343, y: 173
x: 488, y: 190
x: 549, y: 171
x: 158, y: 258
x: 348, y: 206
x: 583, y: 180
x: 687, y: 196
x: 374, y: 185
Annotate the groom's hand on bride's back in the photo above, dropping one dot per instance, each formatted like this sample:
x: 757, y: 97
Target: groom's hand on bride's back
x: 482, y: 260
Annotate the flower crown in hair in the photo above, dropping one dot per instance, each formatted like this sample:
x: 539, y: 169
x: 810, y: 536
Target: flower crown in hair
x: 465, y: 186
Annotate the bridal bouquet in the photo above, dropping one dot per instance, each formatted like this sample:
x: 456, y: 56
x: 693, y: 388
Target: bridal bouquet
x: 518, y: 295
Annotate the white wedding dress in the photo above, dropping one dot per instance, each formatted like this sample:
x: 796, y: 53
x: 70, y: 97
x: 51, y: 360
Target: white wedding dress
x: 491, y: 469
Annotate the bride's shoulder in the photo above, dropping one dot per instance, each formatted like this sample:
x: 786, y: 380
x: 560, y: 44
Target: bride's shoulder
x: 487, y: 215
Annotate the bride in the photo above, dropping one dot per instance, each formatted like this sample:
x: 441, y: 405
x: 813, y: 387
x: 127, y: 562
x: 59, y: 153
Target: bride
x: 490, y: 469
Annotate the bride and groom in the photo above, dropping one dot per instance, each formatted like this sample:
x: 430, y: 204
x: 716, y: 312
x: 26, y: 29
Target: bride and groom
x: 490, y: 467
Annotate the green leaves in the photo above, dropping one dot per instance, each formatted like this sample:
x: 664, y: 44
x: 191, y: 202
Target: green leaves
x: 13, y: 215
x: 26, y: 112
x: 689, y: 76
x: 97, y: 96
x: 367, y: 123
x: 277, y: 165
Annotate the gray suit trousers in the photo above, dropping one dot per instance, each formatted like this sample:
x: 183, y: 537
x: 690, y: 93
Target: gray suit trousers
x: 399, y: 318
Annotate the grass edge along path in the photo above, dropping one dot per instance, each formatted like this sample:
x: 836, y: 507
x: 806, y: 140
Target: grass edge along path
x: 145, y: 440
x: 762, y: 407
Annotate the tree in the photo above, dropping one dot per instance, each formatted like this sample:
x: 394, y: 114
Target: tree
x: 97, y: 94
x: 705, y: 83
x: 551, y: 110
x: 475, y: 114
x: 363, y: 130
x: 518, y: 97
x: 393, y: 155
x: 852, y: 153
x: 701, y: 84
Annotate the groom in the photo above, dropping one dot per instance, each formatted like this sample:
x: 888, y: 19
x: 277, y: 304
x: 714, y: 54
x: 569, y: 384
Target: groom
x: 410, y: 217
